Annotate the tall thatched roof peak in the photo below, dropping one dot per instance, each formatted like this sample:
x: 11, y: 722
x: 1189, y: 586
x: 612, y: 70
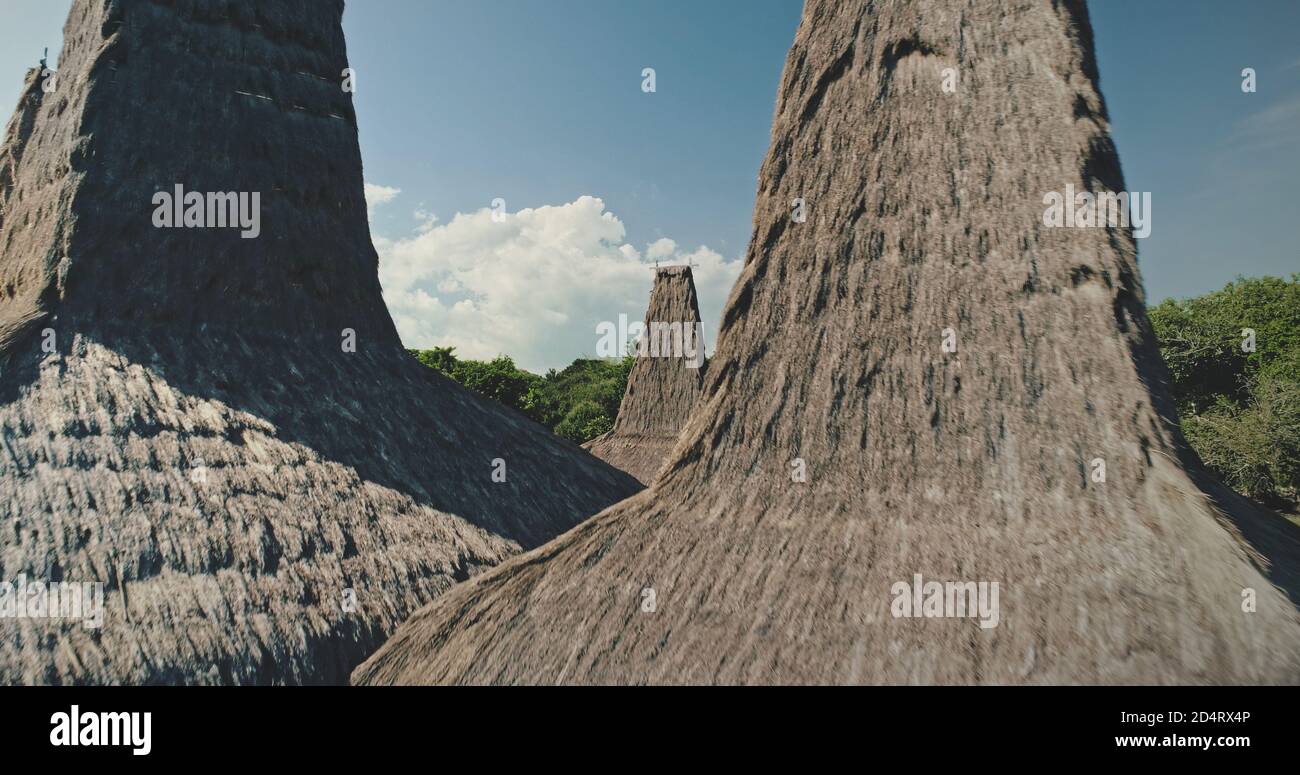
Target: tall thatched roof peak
x: 219, y: 426
x: 665, y: 382
x: 918, y: 382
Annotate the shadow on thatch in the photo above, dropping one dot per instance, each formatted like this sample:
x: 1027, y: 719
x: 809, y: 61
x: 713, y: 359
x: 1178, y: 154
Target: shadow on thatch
x: 439, y: 450
x: 974, y: 395
x: 230, y: 493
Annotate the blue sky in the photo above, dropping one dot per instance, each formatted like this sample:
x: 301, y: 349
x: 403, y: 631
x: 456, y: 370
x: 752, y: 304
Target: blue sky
x: 540, y: 104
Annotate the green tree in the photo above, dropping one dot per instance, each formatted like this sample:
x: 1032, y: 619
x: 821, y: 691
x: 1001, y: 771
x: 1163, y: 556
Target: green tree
x: 1239, y: 406
x: 579, y: 403
x: 498, y: 379
x: 586, y: 417
x: 441, y: 358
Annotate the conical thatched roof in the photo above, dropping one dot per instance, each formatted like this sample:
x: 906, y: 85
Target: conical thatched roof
x: 665, y: 382
x: 924, y: 213
x: 19, y: 312
x: 17, y: 132
x: 183, y: 415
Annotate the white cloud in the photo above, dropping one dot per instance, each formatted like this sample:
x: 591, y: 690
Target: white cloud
x: 424, y: 220
x: 379, y: 195
x: 660, y: 249
x: 533, y: 286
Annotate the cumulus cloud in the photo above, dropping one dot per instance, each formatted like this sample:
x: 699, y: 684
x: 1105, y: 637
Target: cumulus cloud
x: 378, y: 195
x: 660, y: 249
x: 532, y: 285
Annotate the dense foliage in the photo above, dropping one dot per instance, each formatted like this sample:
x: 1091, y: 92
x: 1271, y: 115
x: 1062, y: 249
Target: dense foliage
x: 578, y: 403
x: 1240, y: 409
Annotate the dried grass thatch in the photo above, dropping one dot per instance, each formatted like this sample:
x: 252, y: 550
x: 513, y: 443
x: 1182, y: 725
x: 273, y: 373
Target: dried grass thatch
x: 665, y: 382
x: 925, y: 212
x: 263, y: 505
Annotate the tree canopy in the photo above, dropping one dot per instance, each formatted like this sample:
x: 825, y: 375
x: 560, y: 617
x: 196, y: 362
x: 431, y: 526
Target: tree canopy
x: 578, y: 403
x: 1234, y: 363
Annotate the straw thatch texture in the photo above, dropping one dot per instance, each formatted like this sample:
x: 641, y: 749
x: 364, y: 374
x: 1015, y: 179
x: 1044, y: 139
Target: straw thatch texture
x: 925, y: 213
x: 181, y: 415
x: 665, y: 382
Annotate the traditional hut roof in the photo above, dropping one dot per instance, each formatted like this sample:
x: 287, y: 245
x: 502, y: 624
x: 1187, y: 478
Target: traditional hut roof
x: 226, y: 431
x: 947, y: 371
x: 665, y: 380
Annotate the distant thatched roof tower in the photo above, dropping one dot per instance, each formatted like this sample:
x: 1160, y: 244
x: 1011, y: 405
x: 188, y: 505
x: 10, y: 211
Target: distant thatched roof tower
x: 665, y: 381
x: 17, y: 132
x: 226, y: 430
x: 949, y: 374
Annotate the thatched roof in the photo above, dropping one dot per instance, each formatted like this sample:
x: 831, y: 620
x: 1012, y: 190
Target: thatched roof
x: 21, y: 305
x: 924, y: 213
x: 262, y: 503
x: 665, y: 380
